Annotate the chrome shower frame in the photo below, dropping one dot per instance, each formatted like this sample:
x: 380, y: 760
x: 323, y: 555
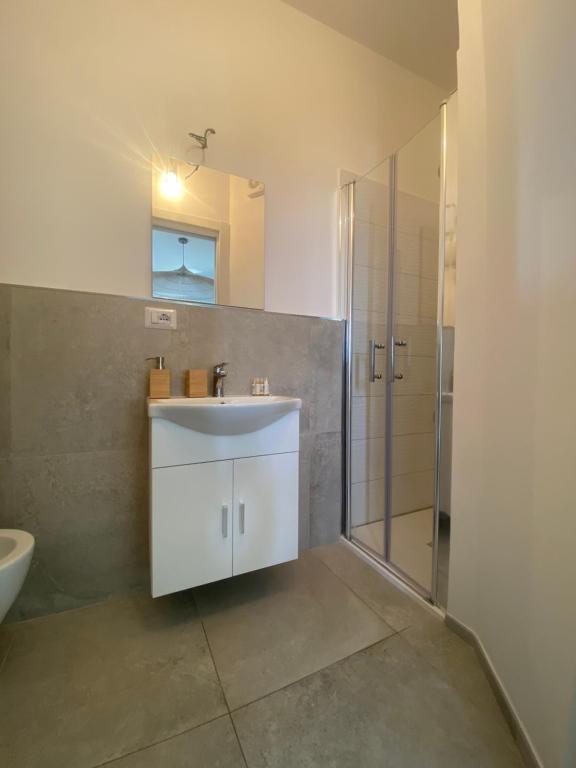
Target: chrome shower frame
x: 347, y: 196
x: 439, y: 346
x: 346, y: 238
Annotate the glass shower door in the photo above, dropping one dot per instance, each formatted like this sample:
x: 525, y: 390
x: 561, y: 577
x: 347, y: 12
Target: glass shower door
x: 368, y: 310
x: 412, y: 359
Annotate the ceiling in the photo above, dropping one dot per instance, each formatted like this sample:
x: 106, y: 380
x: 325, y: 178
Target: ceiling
x: 420, y: 35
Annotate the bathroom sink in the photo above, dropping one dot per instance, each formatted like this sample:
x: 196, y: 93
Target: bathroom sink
x: 223, y: 415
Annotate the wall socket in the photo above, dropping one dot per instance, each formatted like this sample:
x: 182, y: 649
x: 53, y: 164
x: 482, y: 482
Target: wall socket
x: 160, y: 318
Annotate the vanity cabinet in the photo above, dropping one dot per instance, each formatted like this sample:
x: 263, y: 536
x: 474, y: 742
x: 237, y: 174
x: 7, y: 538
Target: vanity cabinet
x: 265, y: 529
x: 213, y: 519
x: 191, y: 528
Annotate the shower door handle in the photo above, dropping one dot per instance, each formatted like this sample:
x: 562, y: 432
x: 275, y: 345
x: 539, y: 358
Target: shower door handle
x: 393, y: 375
x: 373, y: 347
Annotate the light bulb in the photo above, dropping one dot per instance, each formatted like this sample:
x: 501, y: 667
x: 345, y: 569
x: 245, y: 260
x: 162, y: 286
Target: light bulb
x: 170, y: 185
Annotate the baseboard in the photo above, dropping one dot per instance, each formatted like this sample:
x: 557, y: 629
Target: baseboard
x: 519, y: 732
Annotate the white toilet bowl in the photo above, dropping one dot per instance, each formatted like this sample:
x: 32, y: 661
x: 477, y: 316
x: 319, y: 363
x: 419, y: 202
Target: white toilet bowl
x: 16, y: 548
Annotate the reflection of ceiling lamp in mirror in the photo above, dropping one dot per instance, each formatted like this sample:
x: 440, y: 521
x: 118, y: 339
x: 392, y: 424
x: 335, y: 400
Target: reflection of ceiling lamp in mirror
x: 183, y: 270
x: 184, y: 283
x: 170, y: 185
x: 183, y: 242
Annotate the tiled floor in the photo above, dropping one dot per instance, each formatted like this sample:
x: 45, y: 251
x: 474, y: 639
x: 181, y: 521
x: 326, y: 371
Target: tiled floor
x: 320, y: 662
x: 410, y: 548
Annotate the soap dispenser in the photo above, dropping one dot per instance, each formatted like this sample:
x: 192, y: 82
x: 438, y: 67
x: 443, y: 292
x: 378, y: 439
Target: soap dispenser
x: 159, y: 379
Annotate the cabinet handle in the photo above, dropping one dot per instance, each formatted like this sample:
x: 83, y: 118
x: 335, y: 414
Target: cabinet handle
x: 224, y: 521
x: 242, y: 511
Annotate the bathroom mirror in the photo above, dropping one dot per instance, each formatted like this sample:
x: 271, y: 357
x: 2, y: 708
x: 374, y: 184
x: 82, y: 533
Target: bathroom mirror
x: 207, y: 236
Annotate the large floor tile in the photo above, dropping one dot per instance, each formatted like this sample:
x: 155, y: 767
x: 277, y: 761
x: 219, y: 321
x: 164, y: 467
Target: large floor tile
x: 455, y: 660
x: 410, y: 543
x: 213, y: 745
x: 395, y: 607
x: 86, y: 686
x: 269, y: 628
x: 384, y: 707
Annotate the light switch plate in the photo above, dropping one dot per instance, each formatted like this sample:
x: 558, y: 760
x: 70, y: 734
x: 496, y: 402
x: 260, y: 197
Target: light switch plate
x: 157, y: 317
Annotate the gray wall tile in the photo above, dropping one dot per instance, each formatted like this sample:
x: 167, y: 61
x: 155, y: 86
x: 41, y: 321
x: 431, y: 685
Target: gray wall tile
x: 326, y: 489
x: 89, y: 515
x: 5, y: 492
x: 77, y: 477
x: 78, y: 376
x: 327, y: 345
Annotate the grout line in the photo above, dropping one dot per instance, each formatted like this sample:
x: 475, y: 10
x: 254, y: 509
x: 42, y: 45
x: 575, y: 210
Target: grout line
x: 211, y: 653
x: 393, y: 633
x: 317, y: 671
x: 119, y: 596
x: 374, y: 561
x: 4, y: 658
x: 390, y: 580
x: 362, y: 600
x: 425, y: 656
x: 161, y: 741
x: 238, y: 739
x: 219, y: 680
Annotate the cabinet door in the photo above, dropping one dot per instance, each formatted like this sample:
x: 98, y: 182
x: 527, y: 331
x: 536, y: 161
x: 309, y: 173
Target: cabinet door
x: 191, y: 525
x: 265, y: 511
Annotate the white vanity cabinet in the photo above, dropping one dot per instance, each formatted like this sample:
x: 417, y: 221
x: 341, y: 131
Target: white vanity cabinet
x: 265, y: 511
x: 191, y: 528
x: 231, y: 505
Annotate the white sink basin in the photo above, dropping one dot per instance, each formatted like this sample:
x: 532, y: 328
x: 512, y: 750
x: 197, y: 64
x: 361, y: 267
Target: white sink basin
x: 223, y: 415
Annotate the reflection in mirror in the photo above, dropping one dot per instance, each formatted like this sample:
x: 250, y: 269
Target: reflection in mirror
x: 207, y: 236
x: 183, y: 265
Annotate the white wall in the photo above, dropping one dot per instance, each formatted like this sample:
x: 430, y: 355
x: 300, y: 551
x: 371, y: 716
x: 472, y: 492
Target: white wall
x: 91, y: 89
x: 419, y: 162
x: 513, y: 563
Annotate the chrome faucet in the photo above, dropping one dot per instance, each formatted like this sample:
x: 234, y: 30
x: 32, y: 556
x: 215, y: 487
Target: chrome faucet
x: 220, y: 374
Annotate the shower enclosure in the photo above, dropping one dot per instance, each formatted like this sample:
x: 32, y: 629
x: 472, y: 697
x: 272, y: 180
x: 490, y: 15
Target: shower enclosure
x: 393, y: 235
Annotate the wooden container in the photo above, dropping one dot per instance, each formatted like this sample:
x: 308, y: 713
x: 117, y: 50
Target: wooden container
x: 160, y: 383
x: 196, y: 383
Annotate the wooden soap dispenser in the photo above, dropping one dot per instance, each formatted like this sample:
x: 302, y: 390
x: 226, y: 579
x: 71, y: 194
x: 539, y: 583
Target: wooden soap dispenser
x: 159, y: 379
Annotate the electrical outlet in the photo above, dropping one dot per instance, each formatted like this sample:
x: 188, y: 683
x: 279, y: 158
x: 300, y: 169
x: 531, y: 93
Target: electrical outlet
x: 160, y: 318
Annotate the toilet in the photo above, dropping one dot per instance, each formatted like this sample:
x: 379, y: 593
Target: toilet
x: 16, y: 548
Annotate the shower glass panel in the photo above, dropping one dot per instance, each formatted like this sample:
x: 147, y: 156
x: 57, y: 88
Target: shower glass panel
x: 397, y: 456
x: 368, y: 341
x: 413, y: 354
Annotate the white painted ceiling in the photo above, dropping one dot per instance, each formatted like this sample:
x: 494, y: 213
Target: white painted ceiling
x: 420, y: 35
